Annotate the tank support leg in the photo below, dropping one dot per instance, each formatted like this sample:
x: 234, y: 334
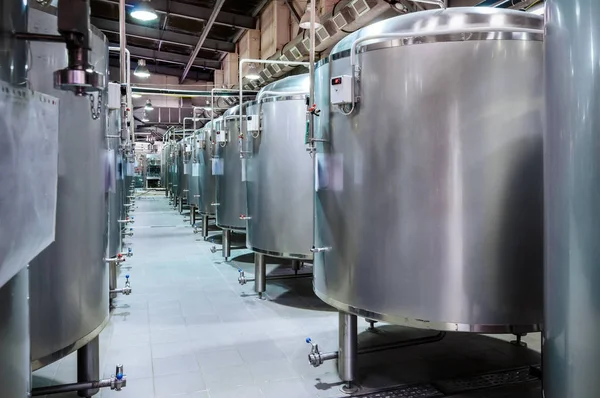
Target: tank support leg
x: 226, y: 243
x: 260, y: 274
x: 112, y: 278
x: 192, y: 214
x: 180, y: 208
x: 175, y: 202
x: 205, y: 226
x: 88, y: 366
x: 519, y: 342
x: 296, y: 266
x: 348, y: 351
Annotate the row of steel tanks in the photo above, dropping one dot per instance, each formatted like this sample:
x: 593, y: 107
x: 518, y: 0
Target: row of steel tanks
x: 429, y: 176
x: 63, y: 297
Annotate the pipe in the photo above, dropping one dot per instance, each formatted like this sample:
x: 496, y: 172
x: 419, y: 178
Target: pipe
x: 439, y: 3
x: 279, y: 94
x: 311, y: 72
x: 258, y: 61
x: 123, y: 66
x: 225, y: 92
x: 181, y: 93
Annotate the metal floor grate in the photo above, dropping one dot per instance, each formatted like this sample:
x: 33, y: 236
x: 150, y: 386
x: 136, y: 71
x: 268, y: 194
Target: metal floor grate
x: 447, y: 388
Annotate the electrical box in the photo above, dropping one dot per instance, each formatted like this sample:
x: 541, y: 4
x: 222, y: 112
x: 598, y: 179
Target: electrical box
x: 342, y: 90
x: 114, y: 96
x: 220, y: 136
x: 252, y: 123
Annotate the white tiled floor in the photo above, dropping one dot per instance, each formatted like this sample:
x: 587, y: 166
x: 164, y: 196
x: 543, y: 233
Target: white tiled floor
x: 190, y: 330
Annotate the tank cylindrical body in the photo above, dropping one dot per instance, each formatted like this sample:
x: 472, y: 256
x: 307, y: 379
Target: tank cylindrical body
x: 572, y: 186
x: 182, y: 182
x: 429, y: 197
x: 188, y: 166
x: 279, y: 172
x: 69, y: 279
x: 206, y: 179
x: 231, y: 192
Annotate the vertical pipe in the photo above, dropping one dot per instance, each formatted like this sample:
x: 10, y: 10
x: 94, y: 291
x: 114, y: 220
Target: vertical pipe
x: 193, y: 214
x: 226, y: 243
x: 572, y: 188
x: 348, y: 349
x: 88, y: 365
x: 311, y: 69
x: 123, y: 66
x: 260, y: 274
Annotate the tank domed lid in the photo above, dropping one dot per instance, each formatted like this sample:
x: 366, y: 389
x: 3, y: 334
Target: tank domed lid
x: 234, y: 110
x: 295, y: 84
x: 424, y: 23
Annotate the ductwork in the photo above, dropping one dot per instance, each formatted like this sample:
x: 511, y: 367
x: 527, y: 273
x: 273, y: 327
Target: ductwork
x: 349, y: 16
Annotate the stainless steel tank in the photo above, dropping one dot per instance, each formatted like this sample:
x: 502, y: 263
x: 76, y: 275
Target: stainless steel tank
x: 29, y: 164
x: 572, y: 274
x: 69, y: 280
x: 279, y: 172
x: 429, y: 193
x: 230, y: 192
x: 207, y: 180
x: 191, y: 180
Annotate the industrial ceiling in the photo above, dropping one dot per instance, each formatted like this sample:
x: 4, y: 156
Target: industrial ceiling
x: 168, y: 42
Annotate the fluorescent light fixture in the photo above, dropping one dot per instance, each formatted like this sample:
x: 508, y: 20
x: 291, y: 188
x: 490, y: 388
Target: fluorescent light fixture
x: 136, y: 95
x: 252, y: 73
x: 148, y: 106
x: 144, y: 12
x: 305, y: 21
x: 142, y: 69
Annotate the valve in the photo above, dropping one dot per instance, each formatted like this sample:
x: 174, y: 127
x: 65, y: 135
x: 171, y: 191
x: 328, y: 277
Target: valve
x: 314, y: 111
x: 242, y: 278
x: 214, y: 249
x: 127, y: 288
x: 319, y: 249
x: 195, y: 229
x: 314, y: 357
x: 243, y: 217
x: 119, y: 379
x: 215, y: 204
x: 128, y: 253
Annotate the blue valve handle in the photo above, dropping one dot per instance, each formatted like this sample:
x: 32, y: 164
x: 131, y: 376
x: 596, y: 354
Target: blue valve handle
x: 308, y: 340
x: 119, y: 376
x: 127, y: 276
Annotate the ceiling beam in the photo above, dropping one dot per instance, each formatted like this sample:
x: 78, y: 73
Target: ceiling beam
x: 203, y: 36
x: 198, y: 13
x: 194, y: 74
x: 173, y: 58
x: 166, y: 36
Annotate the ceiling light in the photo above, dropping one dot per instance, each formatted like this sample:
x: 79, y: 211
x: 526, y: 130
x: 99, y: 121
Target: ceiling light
x: 148, y: 106
x: 142, y: 69
x: 252, y: 73
x: 305, y: 21
x: 145, y: 117
x: 144, y: 12
x: 136, y: 95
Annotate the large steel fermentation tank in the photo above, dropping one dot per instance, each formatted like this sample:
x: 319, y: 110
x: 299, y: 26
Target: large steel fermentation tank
x: 69, y: 280
x: 192, y: 181
x: 182, y: 182
x: 206, y: 178
x: 29, y: 164
x: 572, y: 182
x: 429, y: 206
x: 279, y: 175
x: 230, y: 190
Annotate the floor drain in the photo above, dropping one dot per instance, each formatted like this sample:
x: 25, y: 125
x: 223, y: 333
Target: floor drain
x: 490, y: 380
x: 420, y: 391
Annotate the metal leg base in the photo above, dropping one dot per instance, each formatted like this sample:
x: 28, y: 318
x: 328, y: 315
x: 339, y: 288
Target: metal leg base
x: 518, y: 342
x: 260, y: 274
x: 205, y: 226
x: 88, y: 366
x: 348, y: 350
x: 349, y: 388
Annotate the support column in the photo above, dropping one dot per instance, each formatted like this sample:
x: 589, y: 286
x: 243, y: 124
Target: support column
x: 260, y: 274
x: 193, y: 214
x: 112, y: 278
x: 226, y: 243
x: 348, y: 351
x: 88, y: 366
